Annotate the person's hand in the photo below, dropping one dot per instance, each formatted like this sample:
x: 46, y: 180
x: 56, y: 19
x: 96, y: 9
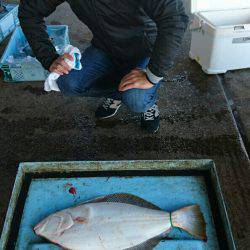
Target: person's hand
x: 59, y: 66
x: 136, y: 79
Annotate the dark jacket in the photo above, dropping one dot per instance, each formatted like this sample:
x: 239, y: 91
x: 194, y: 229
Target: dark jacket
x: 125, y: 29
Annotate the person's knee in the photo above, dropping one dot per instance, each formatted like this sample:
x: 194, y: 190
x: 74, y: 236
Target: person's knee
x: 69, y: 86
x: 134, y: 99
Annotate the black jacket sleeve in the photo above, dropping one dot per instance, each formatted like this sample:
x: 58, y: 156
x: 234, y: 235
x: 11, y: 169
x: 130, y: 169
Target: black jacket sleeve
x: 31, y: 15
x: 171, y: 21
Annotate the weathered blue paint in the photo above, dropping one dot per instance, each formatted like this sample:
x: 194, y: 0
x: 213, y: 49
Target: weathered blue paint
x: 47, y: 196
x: 56, y: 195
x: 43, y: 246
x: 173, y: 245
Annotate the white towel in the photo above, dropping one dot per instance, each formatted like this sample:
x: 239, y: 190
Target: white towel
x: 51, y: 82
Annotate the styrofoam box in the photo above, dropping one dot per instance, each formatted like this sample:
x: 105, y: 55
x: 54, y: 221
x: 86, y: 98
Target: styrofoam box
x: 220, y: 34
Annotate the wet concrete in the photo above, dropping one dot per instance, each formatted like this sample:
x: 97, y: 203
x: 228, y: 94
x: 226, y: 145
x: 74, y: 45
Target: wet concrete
x: 196, y: 123
x: 237, y: 85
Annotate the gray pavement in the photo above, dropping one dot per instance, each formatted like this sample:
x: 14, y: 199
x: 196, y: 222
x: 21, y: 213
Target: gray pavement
x: 196, y: 123
x: 237, y: 86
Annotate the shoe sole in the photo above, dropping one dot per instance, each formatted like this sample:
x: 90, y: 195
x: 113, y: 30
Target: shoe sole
x: 155, y: 131
x: 106, y: 117
x: 151, y: 132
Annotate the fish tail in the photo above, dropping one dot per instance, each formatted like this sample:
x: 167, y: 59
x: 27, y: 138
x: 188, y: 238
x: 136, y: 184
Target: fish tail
x: 191, y: 220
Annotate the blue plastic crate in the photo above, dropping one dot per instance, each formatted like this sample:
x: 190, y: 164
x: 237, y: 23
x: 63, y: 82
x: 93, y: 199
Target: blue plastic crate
x: 167, y: 192
x: 8, y: 20
x: 31, y: 69
x: 43, y: 188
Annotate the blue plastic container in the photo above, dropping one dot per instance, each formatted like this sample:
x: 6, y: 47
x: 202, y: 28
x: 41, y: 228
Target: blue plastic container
x: 29, y: 69
x: 48, y: 195
x: 8, y: 20
x: 42, y: 189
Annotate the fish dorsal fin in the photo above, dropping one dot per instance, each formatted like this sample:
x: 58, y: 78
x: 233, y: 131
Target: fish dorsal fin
x: 147, y: 245
x: 125, y: 198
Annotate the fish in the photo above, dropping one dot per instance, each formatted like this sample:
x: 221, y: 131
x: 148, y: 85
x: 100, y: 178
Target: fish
x: 118, y: 222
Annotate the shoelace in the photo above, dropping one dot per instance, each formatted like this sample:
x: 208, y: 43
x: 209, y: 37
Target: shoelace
x: 151, y: 113
x: 107, y: 103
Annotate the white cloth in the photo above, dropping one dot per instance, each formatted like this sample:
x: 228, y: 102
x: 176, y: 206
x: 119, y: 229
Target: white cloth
x: 51, y: 82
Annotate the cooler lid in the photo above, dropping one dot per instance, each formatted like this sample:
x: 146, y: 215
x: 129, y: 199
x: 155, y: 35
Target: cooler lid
x: 210, y: 5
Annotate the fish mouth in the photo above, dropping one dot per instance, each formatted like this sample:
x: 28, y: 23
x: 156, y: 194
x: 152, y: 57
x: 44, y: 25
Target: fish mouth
x: 39, y: 227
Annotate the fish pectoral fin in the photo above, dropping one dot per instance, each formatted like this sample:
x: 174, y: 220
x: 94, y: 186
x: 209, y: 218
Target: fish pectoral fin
x: 125, y: 198
x: 148, y: 245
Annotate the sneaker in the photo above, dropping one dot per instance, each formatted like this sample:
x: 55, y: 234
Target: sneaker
x: 150, y: 120
x: 108, y: 108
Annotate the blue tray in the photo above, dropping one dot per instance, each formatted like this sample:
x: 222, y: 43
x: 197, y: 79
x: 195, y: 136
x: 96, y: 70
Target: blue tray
x: 168, y: 185
x: 46, y: 196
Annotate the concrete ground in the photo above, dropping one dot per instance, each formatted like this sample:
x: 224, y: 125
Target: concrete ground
x: 196, y: 123
x: 237, y: 87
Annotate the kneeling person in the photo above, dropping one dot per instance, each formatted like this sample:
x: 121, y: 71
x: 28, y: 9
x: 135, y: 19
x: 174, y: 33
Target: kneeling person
x: 134, y: 45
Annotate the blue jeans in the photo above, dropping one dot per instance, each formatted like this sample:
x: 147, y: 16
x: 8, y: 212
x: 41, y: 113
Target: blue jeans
x: 100, y: 77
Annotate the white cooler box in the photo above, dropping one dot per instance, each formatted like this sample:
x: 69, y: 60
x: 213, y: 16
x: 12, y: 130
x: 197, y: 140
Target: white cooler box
x: 220, y: 34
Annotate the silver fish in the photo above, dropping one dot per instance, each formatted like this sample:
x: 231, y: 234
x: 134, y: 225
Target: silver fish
x: 117, y: 222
